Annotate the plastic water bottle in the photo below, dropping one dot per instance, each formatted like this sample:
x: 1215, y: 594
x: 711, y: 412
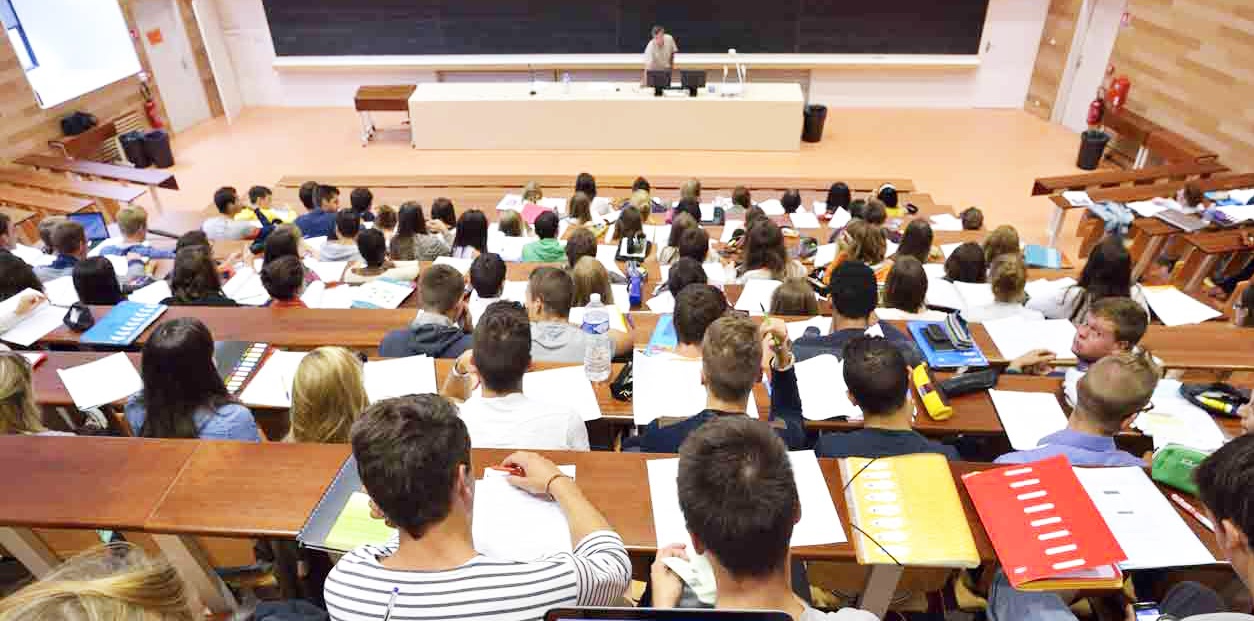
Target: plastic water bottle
x: 598, y: 350
x: 566, y: 81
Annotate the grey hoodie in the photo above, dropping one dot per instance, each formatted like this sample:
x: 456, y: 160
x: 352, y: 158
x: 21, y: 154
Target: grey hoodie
x: 339, y: 252
x: 557, y: 341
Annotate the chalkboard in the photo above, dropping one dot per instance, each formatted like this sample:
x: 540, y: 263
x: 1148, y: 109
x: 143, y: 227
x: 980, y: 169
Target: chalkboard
x: 378, y: 27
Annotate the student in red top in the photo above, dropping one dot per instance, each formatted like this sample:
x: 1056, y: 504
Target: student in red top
x: 284, y: 280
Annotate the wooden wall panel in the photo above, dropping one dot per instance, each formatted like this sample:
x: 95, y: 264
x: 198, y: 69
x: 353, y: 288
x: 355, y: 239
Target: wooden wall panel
x: 1051, y: 59
x: 1189, y: 62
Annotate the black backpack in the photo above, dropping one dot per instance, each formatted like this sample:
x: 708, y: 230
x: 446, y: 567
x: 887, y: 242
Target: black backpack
x: 77, y: 123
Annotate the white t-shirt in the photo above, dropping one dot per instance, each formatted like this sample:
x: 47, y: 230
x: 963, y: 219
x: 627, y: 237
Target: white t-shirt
x: 1062, y: 303
x: 658, y: 57
x: 844, y: 614
x: 222, y: 227
x: 516, y: 421
x: 1000, y: 310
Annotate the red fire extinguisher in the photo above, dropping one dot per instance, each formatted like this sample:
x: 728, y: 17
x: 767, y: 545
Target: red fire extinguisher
x: 1097, y: 108
x: 1117, y: 94
x: 150, y: 107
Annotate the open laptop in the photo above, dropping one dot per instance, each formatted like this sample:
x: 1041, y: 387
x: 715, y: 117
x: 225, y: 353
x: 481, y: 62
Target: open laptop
x: 653, y: 614
x: 94, y: 226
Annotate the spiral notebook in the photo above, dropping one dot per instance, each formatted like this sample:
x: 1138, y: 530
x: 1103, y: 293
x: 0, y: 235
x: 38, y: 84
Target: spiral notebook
x: 122, y: 325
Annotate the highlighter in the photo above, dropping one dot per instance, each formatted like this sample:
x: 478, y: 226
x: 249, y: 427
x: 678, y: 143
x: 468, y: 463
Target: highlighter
x: 933, y: 400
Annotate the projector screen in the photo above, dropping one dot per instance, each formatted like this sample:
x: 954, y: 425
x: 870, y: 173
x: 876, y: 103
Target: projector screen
x: 73, y: 46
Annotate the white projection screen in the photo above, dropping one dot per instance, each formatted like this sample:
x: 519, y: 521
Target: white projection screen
x: 77, y: 46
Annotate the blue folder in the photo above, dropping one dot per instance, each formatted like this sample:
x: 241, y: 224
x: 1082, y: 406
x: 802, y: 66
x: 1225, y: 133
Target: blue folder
x: 969, y: 357
x: 1042, y: 256
x: 122, y: 325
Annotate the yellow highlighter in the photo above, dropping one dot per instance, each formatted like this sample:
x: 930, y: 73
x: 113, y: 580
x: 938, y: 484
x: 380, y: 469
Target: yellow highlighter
x: 933, y: 401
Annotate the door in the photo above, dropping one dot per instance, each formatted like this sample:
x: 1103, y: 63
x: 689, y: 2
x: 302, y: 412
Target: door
x: 1090, y: 58
x: 219, y: 57
x: 1012, y: 32
x: 170, y: 56
x: 1052, y: 68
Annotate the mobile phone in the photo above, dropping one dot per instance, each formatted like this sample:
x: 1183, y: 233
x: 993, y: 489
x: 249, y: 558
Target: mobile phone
x: 1145, y: 611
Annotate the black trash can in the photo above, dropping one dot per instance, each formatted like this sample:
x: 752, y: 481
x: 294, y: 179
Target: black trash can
x: 815, y: 116
x: 157, y: 146
x: 1092, y: 146
x: 133, y: 148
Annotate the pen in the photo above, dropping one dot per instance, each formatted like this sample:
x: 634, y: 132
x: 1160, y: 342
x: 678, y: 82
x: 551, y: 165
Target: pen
x: 391, y: 603
x: 513, y: 470
x: 1197, y: 515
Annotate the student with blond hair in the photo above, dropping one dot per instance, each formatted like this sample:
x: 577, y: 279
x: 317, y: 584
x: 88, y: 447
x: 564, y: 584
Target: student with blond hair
x: 1007, y: 276
x: 133, y: 224
x: 19, y: 414
x: 1003, y: 240
x: 794, y: 297
x: 590, y: 277
x: 328, y: 393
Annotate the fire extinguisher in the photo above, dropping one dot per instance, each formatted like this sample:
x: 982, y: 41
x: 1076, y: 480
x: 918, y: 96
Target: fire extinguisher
x: 1097, y: 108
x: 150, y: 107
x: 1117, y: 94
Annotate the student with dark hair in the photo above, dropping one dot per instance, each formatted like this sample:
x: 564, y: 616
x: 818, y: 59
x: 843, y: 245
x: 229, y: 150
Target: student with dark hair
x: 905, y: 293
x: 582, y: 243
x: 471, y: 238
x: 740, y: 502
x: 878, y: 381
x: 679, y: 225
x: 283, y: 242
x: 260, y: 199
x: 487, y: 275
x: 641, y: 184
x: 183, y: 395
x: 697, y: 306
x: 284, y: 280
x: 413, y: 458
x: 320, y: 220
x: 192, y: 239
x: 224, y: 225
x: 373, y: 250
x: 838, y: 197
x: 791, y: 200
x: 344, y: 246
x: 360, y: 200
x: 195, y: 280
x: 412, y: 241
x: 96, y: 282
x: 17, y: 276
x: 503, y: 417
x: 887, y: 194
x: 443, y: 218
x: 685, y: 272
x: 690, y: 206
x: 765, y: 257
x: 695, y: 244
x: 916, y: 242
x: 69, y: 241
x: 580, y: 208
x: 587, y: 184
x: 385, y: 221
x: 794, y: 297
x: 741, y: 197
x: 547, y: 249
x: 550, y: 293
x: 306, y: 195
x: 442, y: 327
x: 732, y: 359
x: 630, y: 224
x: 972, y: 219
x: 1106, y: 274
x: 875, y: 212
x: 853, y: 298
x: 966, y: 264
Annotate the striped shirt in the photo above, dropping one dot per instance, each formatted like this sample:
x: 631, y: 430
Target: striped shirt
x: 595, y: 574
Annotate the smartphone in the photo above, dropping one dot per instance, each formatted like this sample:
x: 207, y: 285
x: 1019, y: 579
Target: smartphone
x: 1145, y: 611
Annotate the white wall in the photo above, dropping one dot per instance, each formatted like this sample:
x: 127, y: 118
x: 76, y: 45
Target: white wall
x: 1008, y: 53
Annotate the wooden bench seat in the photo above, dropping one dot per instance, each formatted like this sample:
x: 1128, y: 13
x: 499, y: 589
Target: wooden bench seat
x: 25, y: 223
x: 516, y: 182
x: 109, y: 196
x: 42, y: 203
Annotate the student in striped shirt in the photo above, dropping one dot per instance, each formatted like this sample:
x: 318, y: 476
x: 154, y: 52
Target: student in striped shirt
x: 413, y: 456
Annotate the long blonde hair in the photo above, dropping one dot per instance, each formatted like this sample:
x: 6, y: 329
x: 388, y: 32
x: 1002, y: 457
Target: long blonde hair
x: 590, y: 277
x: 116, y: 582
x: 18, y: 411
x: 328, y: 393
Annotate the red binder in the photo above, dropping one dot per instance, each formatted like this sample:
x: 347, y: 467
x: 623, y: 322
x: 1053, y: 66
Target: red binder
x: 1046, y: 530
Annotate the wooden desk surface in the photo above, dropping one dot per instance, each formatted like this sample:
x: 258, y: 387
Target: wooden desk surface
x: 69, y: 482
x: 77, y: 187
x: 392, y: 97
x: 1164, y: 190
x: 17, y: 216
x: 1220, y: 242
x: 54, y: 204
x: 142, y: 176
x: 1109, y: 178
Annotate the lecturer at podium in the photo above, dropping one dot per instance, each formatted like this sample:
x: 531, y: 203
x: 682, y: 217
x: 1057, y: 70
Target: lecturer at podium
x: 659, y: 54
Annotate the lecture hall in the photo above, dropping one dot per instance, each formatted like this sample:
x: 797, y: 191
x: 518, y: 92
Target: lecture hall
x: 334, y: 311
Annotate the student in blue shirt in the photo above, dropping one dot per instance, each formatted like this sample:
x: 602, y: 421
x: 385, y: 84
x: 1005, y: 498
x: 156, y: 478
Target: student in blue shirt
x: 854, y: 294
x: 133, y: 223
x: 320, y: 221
x: 183, y: 395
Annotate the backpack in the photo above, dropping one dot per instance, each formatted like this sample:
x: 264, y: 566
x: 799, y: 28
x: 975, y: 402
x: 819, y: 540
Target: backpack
x: 1116, y: 216
x: 77, y: 123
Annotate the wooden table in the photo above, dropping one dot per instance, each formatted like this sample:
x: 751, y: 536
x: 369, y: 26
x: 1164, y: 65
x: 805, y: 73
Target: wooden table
x: 42, y: 203
x: 109, y: 196
x: 151, y: 177
x: 384, y: 98
x: 621, y: 182
x: 23, y: 223
x: 1204, y: 251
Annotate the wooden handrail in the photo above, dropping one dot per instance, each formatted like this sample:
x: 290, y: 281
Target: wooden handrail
x: 1115, y: 178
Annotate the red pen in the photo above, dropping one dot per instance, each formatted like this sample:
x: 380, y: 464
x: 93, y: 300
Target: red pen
x: 511, y: 470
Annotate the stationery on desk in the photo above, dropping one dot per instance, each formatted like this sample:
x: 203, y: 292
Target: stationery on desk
x: 1015, y: 336
x: 772, y: 207
x: 958, y: 296
x: 461, y: 265
x: 1047, y: 532
x: 272, y: 385
x: 245, y: 288
x: 664, y: 338
x: 1173, y: 420
x: 729, y: 228
x: 663, y: 302
x: 804, y: 220
x: 237, y: 361
x: 945, y: 222
x: 1044, y: 287
x: 568, y: 386
x: 824, y: 255
x: 755, y: 297
x: 1177, y: 308
x: 341, y: 520
x: 819, y: 524
x: 510, y: 202
x: 122, y: 324
x: 715, y: 273
x: 107, y: 380
x: 667, y: 386
x: 606, y: 254
x: 1035, y: 255
x: 906, y: 511
x: 319, y: 295
x: 1077, y: 198
x: 1146, y: 209
x: 1028, y: 416
x: 327, y: 271
x: 821, y: 382
x: 61, y: 291
x: 33, y: 256
x: 397, y: 377
x: 945, y: 355
x: 513, y: 524
x: 35, y: 324
x: 554, y: 204
x: 155, y: 292
x: 381, y: 293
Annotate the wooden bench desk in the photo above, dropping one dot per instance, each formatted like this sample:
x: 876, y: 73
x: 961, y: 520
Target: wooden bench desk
x: 109, y: 196
x: 24, y: 223
x: 514, y: 182
x: 1205, y: 249
x: 1116, y: 178
x: 385, y: 98
x: 42, y: 203
x: 151, y: 177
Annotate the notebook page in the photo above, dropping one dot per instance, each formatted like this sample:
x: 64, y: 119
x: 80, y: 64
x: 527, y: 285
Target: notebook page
x: 1028, y: 416
x: 107, y: 380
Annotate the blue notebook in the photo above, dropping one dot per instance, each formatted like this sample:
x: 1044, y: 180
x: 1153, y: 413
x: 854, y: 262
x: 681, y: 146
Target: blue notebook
x: 664, y: 337
x: 1042, y: 256
x: 951, y: 359
x: 122, y: 325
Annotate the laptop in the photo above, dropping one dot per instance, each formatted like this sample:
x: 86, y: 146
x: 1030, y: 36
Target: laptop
x: 94, y: 226
x: 670, y: 614
x: 1188, y: 223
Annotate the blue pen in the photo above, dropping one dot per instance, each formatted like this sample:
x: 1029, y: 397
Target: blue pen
x: 391, y: 603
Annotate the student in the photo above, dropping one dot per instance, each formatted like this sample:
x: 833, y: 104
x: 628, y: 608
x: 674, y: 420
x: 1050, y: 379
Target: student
x: 328, y: 393
x: 1106, y: 274
x: 413, y: 455
x: 441, y: 328
x: 487, y: 276
x: 695, y: 244
x: 679, y: 225
x: 8, y: 237
x: 691, y: 189
x: 1003, y: 240
x: 532, y: 193
x: 344, y: 246
x: 581, y: 214
x: 133, y: 224
x: 732, y: 359
x: 765, y: 257
x: 589, y: 277
x: 113, y: 581
x: 502, y: 416
x: 643, y: 202
x: 183, y: 394
x: 740, y: 503
x: 46, y: 226
x: 1111, y: 326
x: 195, y: 280
x: 373, y: 250
x: 360, y: 201
x: 70, y: 243
x: 685, y: 272
x: 284, y: 280
x: 630, y: 224
x: 905, y: 292
x: 794, y: 297
x: 853, y: 302
x: 224, y: 225
x: 741, y: 198
x: 320, y: 220
x: 582, y: 243
x: 554, y: 338
x: 875, y: 212
x: 587, y: 184
x: 1007, y: 276
x: 511, y: 224
x: 838, y: 197
x: 261, y: 199
x: 697, y: 306
x: 862, y: 242
x: 192, y: 239
x: 413, y: 241
x: 386, y: 221
x: 972, y: 219
x: 96, y: 282
x: 878, y: 381
x: 17, y: 276
x: 283, y: 242
x: 471, y: 238
x: 966, y: 264
x: 857, y: 209
x: 443, y: 218
x: 887, y: 194
x: 547, y: 249
x: 306, y: 195
x: 1243, y: 308
x: 917, y: 242
x: 19, y: 414
x: 690, y: 206
x: 791, y: 200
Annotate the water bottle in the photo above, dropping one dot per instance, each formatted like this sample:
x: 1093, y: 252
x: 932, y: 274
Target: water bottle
x: 566, y: 81
x: 598, y: 349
